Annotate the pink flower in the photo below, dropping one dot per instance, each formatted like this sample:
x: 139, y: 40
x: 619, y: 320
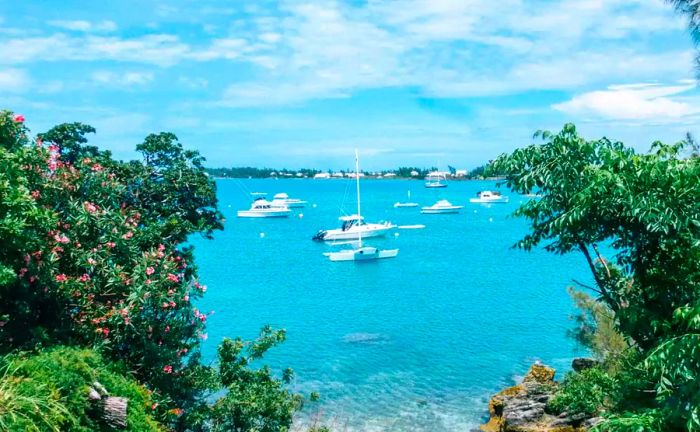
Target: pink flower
x: 154, y: 406
x: 110, y: 244
x: 105, y: 331
x: 150, y: 271
x: 173, y: 278
x: 90, y: 207
x: 148, y: 282
x: 19, y: 118
x: 22, y: 271
x: 91, y: 261
x: 85, y: 277
x: 168, y: 369
x: 60, y: 238
x: 97, y: 167
x: 36, y: 194
x: 128, y: 235
x: 186, y: 298
x: 204, y: 336
x: 165, y: 305
x: 61, y: 278
x: 167, y: 329
x: 172, y: 304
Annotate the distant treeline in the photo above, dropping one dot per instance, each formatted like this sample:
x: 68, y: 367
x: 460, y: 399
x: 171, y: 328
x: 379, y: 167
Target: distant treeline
x: 401, y: 172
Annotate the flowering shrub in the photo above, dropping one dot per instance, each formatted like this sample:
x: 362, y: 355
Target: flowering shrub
x: 92, y: 257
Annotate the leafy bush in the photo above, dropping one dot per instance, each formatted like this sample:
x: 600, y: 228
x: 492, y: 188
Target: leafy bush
x: 52, y: 390
x: 587, y: 392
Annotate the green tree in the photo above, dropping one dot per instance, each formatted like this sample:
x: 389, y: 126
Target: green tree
x: 645, y: 207
x: 92, y: 257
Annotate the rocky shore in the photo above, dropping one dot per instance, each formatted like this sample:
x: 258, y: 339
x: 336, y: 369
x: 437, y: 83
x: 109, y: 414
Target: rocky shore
x: 523, y: 407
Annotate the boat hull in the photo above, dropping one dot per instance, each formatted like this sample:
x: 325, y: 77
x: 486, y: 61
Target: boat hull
x: 369, y: 232
x: 502, y: 200
x: 435, y: 186
x: 452, y: 210
x: 405, y: 205
x: 362, y: 254
x: 259, y: 214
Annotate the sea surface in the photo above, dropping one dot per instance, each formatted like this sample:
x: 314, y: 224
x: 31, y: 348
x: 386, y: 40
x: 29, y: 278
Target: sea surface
x: 414, y: 343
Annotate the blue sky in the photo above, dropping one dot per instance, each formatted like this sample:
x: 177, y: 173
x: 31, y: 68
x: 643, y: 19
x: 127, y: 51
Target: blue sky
x: 302, y: 83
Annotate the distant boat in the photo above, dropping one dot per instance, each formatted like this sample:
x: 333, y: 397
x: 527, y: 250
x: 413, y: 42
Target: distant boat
x: 360, y: 252
x: 435, y: 180
x: 489, y: 197
x: 283, y: 199
x: 406, y: 204
x: 258, y: 193
x: 261, y: 208
x: 441, y: 207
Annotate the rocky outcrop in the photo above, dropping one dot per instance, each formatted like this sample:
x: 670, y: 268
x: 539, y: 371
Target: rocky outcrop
x: 583, y: 363
x: 523, y: 407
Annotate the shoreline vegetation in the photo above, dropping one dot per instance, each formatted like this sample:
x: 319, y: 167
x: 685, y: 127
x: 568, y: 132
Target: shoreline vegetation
x: 483, y: 172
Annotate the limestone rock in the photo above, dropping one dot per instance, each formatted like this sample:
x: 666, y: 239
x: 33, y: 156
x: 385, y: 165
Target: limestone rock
x: 522, y: 408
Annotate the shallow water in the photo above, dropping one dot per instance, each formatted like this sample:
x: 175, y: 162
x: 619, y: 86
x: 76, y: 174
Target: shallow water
x: 415, y: 343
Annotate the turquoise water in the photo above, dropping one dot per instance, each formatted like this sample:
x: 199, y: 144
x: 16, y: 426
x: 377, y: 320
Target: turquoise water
x: 415, y: 343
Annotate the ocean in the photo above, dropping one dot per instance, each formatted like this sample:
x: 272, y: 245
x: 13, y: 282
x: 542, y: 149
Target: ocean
x: 414, y: 343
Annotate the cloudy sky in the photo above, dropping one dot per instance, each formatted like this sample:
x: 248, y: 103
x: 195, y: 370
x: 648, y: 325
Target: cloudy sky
x: 302, y: 83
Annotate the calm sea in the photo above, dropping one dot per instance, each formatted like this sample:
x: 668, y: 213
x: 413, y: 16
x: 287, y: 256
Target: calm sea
x: 415, y: 343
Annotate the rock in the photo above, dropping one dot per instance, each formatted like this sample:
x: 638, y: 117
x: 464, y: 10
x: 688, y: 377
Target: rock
x: 581, y: 363
x: 522, y: 408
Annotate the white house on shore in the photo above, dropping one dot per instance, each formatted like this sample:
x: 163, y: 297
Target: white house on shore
x: 322, y: 176
x: 389, y: 175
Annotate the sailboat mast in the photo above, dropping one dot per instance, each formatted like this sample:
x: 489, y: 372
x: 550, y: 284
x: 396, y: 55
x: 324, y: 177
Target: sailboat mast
x: 357, y: 182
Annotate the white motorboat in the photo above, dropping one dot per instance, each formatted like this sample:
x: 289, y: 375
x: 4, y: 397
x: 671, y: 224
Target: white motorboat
x: 489, y: 197
x: 441, y: 207
x: 356, y: 223
x: 283, y: 198
x: 258, y: 193
x: 261, y: 208
x: 436, y: 180
x: 406, y: 204
x: 352, y: 227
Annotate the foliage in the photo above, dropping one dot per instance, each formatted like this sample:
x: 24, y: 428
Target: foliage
x: 59, y: 378
x: 646, y: 207
x: 92, y: 256
x: 28, y: 405
x: 255, y: 401
x: 586, y: 392
x: 596, y: 327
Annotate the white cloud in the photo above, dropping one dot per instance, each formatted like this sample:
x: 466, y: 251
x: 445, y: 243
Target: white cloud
x: 634, y: 102
x: 85, y: 26
x: 13, y: 81
x: 122, y: 79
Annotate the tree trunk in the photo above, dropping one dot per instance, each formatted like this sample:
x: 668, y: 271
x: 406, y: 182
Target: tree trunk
x: 114, y: 411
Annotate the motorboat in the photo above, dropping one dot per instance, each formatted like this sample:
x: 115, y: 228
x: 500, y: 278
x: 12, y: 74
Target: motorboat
x: 489, y: 197
x: 354, y: 227
x: 435, y: 180
x: 441, y: 207
x: 262, y: 208
x: 283, y: 198
x: 406, y: 204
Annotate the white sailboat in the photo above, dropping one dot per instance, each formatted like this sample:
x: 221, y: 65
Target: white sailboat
x: 360, y: 252
x: 406, y: 204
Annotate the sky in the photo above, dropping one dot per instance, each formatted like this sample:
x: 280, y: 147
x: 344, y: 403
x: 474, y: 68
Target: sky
x: 303, y: 83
